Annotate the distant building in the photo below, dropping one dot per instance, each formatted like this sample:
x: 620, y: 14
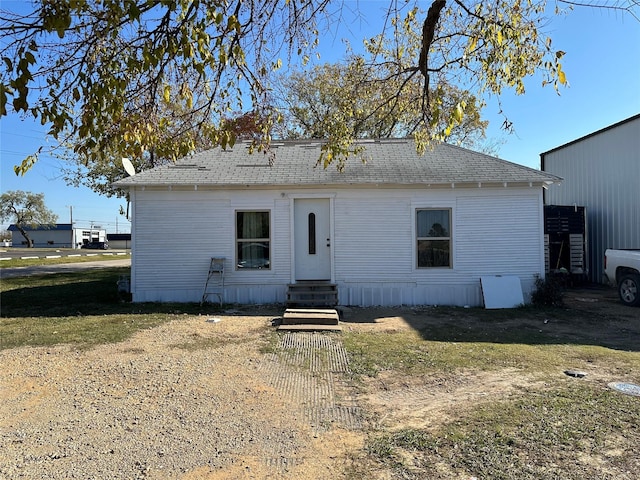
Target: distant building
x: 61, y: 235
x: 119, y: 240
x: 601, y: 172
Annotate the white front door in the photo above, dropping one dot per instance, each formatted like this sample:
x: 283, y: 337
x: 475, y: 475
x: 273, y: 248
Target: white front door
x: 312, y: 239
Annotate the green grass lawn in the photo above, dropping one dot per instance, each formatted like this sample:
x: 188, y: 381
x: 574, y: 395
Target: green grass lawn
x: 81, y: 308
x: 86, y: 256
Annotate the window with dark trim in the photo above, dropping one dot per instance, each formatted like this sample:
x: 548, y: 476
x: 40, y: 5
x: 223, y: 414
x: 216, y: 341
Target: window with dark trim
x: 433, y: 230
x: 253, y: 240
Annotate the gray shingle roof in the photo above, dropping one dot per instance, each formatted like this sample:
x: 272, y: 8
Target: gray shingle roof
x: 388, y: 162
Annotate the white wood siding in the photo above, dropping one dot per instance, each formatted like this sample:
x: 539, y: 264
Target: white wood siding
x: 175, y: 234
x: 373, y: 248
x: 495, y: 231
x: 373, y: 238
x: 498, y: 235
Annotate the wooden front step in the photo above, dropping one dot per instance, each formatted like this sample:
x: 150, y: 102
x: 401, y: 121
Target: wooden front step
x: 312, y: 294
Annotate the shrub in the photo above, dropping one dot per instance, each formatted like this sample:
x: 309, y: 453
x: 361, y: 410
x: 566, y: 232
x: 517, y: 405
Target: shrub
x: 548, y: 292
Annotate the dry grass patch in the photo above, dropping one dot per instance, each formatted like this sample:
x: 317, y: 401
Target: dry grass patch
x: 464, y: 393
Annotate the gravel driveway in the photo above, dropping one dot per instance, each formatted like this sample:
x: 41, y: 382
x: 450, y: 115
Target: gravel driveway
x: 195, y: 398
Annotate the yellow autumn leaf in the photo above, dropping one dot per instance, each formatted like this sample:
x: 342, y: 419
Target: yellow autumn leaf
x: 458, y: 113
x: 167, y: 93
x: 562, y: 78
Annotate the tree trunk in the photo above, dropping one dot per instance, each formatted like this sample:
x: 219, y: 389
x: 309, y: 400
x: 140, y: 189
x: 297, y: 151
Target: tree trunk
x: 26, y: 236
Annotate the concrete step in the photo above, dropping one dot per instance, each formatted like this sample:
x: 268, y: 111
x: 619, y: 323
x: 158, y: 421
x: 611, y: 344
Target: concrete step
x: 312, y: 316
x: 309, y: 328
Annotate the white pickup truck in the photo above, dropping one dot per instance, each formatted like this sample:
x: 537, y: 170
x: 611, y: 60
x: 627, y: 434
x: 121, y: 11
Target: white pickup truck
x: 622, y: 268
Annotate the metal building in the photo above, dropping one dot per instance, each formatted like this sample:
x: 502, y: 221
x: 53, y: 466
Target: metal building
x: 60, y: 235
x: 601, y: 172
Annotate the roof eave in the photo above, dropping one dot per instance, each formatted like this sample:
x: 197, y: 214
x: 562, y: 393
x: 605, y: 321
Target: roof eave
x: 491, y: 183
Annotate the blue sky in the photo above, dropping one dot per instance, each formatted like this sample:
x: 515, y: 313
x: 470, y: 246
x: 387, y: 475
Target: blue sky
x: 602, y: 64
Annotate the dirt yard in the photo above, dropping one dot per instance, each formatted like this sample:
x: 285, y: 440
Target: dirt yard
x: 207, y: 397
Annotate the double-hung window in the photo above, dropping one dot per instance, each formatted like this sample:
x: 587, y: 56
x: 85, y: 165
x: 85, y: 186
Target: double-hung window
x: 253, y: 240
x: 433, y: 230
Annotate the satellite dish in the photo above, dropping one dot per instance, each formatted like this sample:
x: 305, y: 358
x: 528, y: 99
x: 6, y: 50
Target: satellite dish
x: 128, y: 166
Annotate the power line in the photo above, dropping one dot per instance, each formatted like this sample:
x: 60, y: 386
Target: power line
x: 98, y: 222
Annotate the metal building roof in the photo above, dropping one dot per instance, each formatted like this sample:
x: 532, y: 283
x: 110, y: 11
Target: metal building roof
x: 34, y: 228
x: 387, y: 162
x: 592, y: 134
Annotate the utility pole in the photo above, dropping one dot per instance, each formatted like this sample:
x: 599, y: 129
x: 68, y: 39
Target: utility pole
x: 73, y: 232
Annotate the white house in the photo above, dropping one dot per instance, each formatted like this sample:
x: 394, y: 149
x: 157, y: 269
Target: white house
x: 601, y: 172
x: 400, y: 229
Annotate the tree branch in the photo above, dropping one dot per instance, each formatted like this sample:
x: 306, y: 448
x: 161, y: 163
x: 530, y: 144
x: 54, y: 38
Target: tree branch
x: 428, y: 32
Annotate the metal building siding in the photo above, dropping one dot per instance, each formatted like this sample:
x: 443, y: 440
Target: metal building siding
x: 41, y: 238
x: 602, y: 173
